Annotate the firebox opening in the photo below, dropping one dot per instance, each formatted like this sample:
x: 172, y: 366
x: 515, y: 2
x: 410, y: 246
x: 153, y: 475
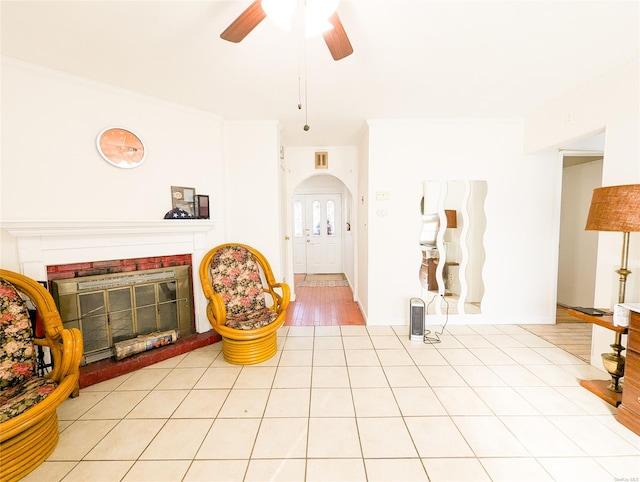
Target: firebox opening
x: 110, y: 308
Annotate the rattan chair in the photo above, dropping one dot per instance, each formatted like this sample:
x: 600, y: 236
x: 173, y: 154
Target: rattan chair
x: 28, y: 402
x: 235, y: 279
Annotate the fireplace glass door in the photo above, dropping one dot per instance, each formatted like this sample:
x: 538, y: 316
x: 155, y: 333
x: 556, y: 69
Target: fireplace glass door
x: 117, y: 307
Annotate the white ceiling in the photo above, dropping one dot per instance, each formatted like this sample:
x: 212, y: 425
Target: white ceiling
x: 412, y: 59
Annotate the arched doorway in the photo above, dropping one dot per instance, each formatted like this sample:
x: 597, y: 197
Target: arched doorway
x: 320, y: 216
x: 322, y: 240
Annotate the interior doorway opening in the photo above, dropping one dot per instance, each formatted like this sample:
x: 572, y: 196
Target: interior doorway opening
x: 577, y: 251
x: 322, y: 238
x: 323, y: 254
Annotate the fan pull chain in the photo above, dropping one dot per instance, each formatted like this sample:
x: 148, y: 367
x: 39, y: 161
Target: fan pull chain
x: 306, y: 107
x: 306, y: 101
x: 302, y: 64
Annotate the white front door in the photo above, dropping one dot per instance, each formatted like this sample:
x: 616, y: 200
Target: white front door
x: 317, y: 245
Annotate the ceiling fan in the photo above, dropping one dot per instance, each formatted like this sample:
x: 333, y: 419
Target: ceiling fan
x: 335, y: 38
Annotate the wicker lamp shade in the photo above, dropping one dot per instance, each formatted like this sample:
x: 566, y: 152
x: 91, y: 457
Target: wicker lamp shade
x: 615, y: 208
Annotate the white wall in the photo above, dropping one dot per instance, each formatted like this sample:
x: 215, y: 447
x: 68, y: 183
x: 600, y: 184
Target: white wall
x: 403, y: 154
x: 51, y: 169
x: 611, y: 104
x: 520, y: 162
x: 252, y: 189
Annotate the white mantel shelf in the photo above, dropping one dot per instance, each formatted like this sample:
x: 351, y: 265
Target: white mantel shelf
x: 20, y: 229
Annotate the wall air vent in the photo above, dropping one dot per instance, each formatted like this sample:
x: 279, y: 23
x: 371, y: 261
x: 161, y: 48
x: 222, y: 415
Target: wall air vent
x: 322, y: 160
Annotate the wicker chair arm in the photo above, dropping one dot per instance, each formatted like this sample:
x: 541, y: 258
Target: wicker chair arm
x: 282, y: 300
x: 207, y: 289
x: 216, y: 310
x: 205, y: 280
x: 69, y: 348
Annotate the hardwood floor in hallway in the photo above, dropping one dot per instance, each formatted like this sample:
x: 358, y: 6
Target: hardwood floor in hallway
x: 569, y: 333
x: 323, y: 306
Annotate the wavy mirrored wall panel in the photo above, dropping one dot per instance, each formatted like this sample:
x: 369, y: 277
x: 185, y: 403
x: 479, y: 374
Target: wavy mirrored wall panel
x: 452, y: 246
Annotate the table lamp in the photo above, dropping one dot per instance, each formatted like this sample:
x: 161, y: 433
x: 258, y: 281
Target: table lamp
x: 616, y: 208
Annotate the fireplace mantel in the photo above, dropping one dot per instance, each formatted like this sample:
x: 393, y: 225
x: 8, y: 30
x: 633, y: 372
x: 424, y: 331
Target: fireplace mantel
x: 44, y: 243
x: 21, y: 229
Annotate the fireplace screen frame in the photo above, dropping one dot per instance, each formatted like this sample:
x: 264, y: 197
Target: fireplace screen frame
x: 114, y: 307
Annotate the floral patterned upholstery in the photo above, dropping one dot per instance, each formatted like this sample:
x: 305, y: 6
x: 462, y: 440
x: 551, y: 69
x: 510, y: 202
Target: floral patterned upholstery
x: 20, y: 389
x: 28, y: 403
x: 235, y: 276
x: 15, y: 400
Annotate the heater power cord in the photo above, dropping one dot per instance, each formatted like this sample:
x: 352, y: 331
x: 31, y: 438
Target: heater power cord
x: 432, y: 340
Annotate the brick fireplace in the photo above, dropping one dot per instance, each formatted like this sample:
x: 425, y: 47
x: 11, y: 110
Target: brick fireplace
x: 54, y: 250
x: 92, y: 268
x: 117, y: 300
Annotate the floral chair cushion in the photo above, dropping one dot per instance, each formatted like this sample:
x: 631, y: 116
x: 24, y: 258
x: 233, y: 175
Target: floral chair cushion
x: 17, y: 399
x: 17, y: 354
x: 20, y: 389
x: 235, y: 275
x: 250, y: 321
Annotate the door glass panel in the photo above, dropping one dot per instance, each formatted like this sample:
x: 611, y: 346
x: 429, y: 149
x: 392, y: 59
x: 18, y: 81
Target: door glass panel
x: 120, y: 314
x: 315, y: 209
x: 94, y: 321
x: 331, y: 218
x: 297, y: 219
x: 145, y: 309
x: 167, y: 308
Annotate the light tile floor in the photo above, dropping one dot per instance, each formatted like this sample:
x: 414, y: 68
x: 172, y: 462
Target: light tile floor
x: 351, y: 403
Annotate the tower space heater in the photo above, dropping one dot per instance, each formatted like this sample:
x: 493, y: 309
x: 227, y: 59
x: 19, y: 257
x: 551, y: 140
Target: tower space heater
x: 416, y: 323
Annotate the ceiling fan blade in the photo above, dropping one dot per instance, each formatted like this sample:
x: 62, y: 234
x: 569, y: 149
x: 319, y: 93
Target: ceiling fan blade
x: 336, y: 39
x: 245, y: 23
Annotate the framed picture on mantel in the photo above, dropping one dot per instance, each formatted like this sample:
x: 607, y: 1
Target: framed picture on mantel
x: 202, y: 206
x: 184, y: 198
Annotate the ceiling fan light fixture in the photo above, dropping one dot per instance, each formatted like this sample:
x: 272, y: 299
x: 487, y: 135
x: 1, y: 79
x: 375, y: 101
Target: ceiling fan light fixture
x: 321, y: 8
x: 316, y: 16
x: 316, y: 26
x: 280, y: 12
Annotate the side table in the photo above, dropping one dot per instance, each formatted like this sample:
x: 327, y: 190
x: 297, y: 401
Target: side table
x: 599, y: 387
x: 629, y: 409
